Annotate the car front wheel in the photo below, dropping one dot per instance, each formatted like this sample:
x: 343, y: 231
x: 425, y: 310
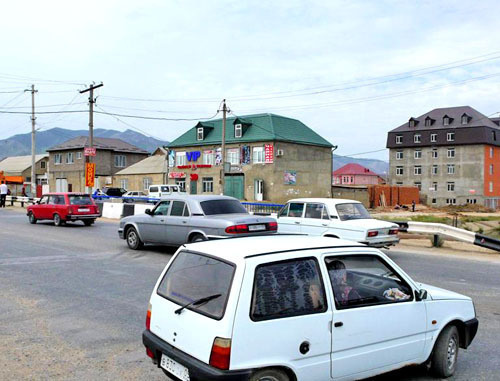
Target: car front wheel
x: 270, y: 375
x: 57, y: 220
x: 32, y: 218
x: 445, y: 355
x: 133, y: 240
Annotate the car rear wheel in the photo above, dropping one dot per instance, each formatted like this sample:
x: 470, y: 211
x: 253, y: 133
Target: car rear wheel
x: 270, y: 375
x: 32, y: 218
x: 445, y: 355
x: 88, y: 222
x: 197, y: 238
x: 133, y: 240
x: 57, y: 220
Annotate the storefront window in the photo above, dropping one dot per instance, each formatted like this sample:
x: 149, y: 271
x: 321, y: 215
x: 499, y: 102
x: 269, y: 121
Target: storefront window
x: 233, y: 156
x: 209, y: 157
x: 258, y: 155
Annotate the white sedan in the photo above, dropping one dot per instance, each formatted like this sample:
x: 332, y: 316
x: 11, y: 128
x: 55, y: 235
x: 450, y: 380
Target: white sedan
x: 337, y: 218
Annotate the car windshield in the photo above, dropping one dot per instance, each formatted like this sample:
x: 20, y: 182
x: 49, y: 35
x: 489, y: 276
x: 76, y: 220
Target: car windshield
x: 80, y: 200
x: 352, y: 211
x: 194, y: 276
x: 212, y: 207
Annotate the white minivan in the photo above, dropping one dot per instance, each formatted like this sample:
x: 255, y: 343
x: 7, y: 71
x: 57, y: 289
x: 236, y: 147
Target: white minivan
x: 158, y: 191
x: 337, y: 218
x: 289, y: 308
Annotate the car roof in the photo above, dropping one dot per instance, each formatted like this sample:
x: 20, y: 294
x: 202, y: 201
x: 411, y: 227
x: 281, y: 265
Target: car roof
x: 238, y: 248
x: 63, y: 193
x: 325, y: 200
x: 199, y: 198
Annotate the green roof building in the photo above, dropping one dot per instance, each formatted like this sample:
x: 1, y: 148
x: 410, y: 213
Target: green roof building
x: 268, y: 158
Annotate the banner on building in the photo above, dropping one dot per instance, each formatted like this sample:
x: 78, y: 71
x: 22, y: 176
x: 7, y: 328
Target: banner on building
x: 89, y: 174
x: 218, y: 156
x: 89, y: 151
x: 177, y: 175
x: 171, y: 158
x: 290, y: 178
x: 269, y: 153
x: 245, y: 155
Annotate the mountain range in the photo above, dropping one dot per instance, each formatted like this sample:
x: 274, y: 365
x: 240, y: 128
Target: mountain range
x: 20, y: 144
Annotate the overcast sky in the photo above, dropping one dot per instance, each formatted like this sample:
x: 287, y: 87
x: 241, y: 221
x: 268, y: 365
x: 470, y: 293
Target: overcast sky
x: 311, y: 60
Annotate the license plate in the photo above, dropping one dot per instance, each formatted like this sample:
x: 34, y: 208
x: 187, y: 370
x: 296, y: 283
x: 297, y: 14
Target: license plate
x: 83, y: 209
x: 254, y: 228
x: 172, y: 366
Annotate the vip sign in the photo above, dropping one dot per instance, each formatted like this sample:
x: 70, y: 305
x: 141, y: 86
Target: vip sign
x: 193, y: 155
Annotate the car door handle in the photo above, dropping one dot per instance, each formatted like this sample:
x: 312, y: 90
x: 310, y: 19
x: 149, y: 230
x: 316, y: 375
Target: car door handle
x: 324, y: 224
x: 297, y: 222
x: 184, y: 222
x: 162, y: 220
x: 338, y: 324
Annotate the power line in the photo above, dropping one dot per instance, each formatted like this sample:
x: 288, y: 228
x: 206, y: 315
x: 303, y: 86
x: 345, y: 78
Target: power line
x: 43, y: 106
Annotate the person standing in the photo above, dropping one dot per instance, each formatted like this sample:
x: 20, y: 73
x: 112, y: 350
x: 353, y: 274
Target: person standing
x: 3, y: 194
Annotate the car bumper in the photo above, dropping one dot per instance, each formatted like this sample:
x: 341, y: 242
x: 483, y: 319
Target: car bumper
x: 198, y: 370
x: 120, y: 233
x: 382, y: 242
x: 471, y: 327
x: 77, y: 217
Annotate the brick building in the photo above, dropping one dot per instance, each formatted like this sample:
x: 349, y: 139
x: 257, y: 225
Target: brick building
x: 67, y: 162
x: 268, y: 158
x: 451, y: 154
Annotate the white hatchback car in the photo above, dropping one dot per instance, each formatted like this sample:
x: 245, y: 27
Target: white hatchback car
x: 286, y: 308
x: 338, y: 218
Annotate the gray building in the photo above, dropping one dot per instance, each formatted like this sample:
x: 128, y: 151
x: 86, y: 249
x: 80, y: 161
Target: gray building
x: 452, y: 154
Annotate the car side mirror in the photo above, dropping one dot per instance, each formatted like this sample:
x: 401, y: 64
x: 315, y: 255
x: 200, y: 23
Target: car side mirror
x: 148, y: 211
x: 420, y: 295
x: 38, y: 202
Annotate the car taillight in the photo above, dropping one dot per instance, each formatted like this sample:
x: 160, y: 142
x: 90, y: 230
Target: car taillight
x: 272, y: 226
x: 372, y: 233
x: 393, y: 231
x: 237, y: 229
x: 150, y: 353
x: 148, y: 318
x: 221, y: 353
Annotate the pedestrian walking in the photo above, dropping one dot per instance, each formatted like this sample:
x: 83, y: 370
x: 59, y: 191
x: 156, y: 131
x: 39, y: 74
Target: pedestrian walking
x: 3, y: 194
x: 413, y: 206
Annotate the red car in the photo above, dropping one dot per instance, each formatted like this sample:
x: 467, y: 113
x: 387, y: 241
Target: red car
x: 63, y: 207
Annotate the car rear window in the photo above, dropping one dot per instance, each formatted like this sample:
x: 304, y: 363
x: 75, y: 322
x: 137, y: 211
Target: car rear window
x: 193, y: 276
x: 212, y: 207
x: 153, y: 189
x: 80, y: 199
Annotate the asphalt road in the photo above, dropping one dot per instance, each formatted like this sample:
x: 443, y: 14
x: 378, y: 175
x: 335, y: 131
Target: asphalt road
x: 74, y: 298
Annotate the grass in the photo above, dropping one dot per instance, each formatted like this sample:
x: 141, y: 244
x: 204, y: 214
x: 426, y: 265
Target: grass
x: 419, y: 218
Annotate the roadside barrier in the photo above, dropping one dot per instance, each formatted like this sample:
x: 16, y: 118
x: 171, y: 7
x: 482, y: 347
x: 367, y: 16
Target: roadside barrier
x: 20, y: 199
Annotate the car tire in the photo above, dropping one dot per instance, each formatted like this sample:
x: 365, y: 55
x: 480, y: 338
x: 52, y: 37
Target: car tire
x: 133, y: 240
x: 197, y: 238
x: 445, y: 354
x: 58, y: 221
x: 88, y: 222
x: 270, y: 374
x: 32, y: 218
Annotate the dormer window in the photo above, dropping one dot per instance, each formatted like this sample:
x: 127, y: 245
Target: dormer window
x: 412, y: 122
x: 238, y: 130
x: 199, y: 133
x: 446, y: 120
x: 465, y: 119
x: 429, y: 121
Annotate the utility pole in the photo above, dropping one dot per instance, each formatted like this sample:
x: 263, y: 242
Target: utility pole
x: 223, y: 148
x: 88, y: 159
x: 33, y: 148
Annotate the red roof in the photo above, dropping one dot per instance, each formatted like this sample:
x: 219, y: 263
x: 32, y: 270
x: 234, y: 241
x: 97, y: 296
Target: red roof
x: 354, y: 169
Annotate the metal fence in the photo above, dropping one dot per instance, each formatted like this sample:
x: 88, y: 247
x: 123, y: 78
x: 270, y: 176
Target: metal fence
x: 262, y: 208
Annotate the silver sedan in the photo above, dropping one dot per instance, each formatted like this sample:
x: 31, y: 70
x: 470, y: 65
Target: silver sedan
x: 179, y: 219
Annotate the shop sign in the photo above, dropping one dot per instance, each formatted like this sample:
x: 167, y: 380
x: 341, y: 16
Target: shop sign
x: 89, y: 151
x: 194, y: 166
x: 193, y: 155
x: 176, y: 175
x: 193, y: 176
x: 89, y: 174
x: 268, y: 153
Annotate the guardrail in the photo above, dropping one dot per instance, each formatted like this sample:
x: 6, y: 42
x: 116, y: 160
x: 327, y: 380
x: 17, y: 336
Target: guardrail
x: 21, y: 199
x: 262, y: 208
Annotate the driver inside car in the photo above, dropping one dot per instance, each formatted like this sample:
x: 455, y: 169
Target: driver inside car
x: 344, y: 293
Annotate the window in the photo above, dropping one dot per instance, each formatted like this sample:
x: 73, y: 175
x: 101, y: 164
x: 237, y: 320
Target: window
x: 233, y: 156
x: 399, y: 139
x: 208, y: 184
x: 70, y: 156
x: 314, y: 211
x: 434, y: 186
x: 451, y: 201
x: 417, y: 170
x: 399, y: 155
x: 399, y: 171
x: 434, y: 153
x: 57, y: 158
x: 491, y: 186
x: 178, y: 208
x: 451, y: 186
x: 446, y: 121
x: 491, y: 169
x: 433, y: 138
x: 491, y: 152
x: 258, y: 155
x: 199, y: 133
x: 83, y: 199
x: 288, y: 288
x: 209, y: 157
x: 451, y: 153
x: 465, y: 119
x: 153, y: 190
x: 238, y: 131
x: 295, y: 209
x: 43, y: 164
x: 417, y: 138
x: 412, y: 123
x: 428, y: 122
x: 182, y: 184
x: 213, y: 207
x: 434, y: 201
x: 193, y: 276
x: 120, y: 161
x: 59, y: 200
x: 494, y: 135
x: 471, y: 201
x: 352, y: 211
x: 146, y: 182
x: 418, y: 184
x: 434, y: 170
x: 451, y: 169
x: 399, y: 183
x: 78, y: 155
x: 349, y: 275
x: 450, y: 137
x: 418, y: 154
x: 124, y: 183
x: 161, y: 209
x: 180, y: 158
